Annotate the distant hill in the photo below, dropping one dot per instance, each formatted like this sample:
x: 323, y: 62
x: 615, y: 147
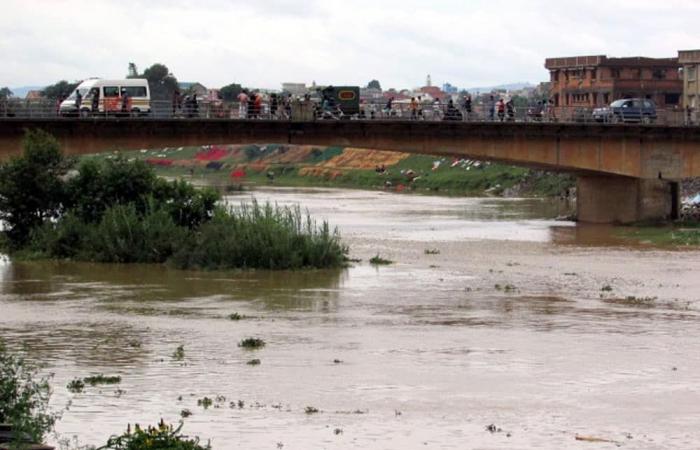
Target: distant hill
x: 21, y: 92
x: 507, y: 87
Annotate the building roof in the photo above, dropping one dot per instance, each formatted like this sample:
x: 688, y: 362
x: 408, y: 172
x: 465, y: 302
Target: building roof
x: 185, y: 85
x: 689, y: 56
x: 573, y: 62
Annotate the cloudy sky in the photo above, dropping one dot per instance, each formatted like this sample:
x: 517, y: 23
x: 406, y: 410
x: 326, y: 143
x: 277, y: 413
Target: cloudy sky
x: 265, y: 42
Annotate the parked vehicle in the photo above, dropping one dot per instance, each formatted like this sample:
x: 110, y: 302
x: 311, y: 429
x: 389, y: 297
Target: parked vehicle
x: 627, y: 110
x: 128, y: 96
x: 341, y: 98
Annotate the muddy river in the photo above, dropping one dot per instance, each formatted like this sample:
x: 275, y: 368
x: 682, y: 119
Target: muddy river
x: 497, y: 327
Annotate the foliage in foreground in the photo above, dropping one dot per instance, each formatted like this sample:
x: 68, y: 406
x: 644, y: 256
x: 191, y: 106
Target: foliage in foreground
x: 162, y: 437
x: 24, y: 398
x: 118, y: 211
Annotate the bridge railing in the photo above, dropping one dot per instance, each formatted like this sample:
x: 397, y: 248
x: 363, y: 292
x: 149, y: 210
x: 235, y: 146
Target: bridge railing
x: 438, y: 111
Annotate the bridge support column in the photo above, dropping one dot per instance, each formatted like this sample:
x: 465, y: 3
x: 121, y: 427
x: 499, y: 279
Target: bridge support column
x: 624, y: 200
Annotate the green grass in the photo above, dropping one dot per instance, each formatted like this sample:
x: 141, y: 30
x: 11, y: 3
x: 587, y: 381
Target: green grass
x: 493, y: 178
x: 379, y: 261
x: 684, y: 235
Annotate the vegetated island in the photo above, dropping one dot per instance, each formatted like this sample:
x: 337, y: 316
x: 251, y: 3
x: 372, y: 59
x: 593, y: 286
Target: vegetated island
x: 118, y: 211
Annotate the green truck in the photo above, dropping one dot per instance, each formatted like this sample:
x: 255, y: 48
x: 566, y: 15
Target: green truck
x: 345, y: 97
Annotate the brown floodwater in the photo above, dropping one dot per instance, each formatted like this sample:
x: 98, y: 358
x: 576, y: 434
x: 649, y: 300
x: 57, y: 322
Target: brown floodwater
x: 548, y: 330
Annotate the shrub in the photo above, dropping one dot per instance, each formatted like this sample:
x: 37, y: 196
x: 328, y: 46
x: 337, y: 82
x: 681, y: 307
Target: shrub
x: 24, y: 398
x: 125, y: 236
x: 264, y: 237
x: 161, y: 437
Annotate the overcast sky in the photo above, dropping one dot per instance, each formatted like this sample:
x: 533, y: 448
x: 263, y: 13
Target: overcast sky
x: 262, y: 43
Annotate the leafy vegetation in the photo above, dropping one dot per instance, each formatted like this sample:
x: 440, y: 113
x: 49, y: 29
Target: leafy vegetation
x: 205, y: 402
x: 76, y: 386
x: 379, y: 261
x: 118, y: 211
x: 24, y: 398
x: 61, y: 89
x: 251, y: 343
x: 161, y: 437
x: 179, y: 353
x: 102, y: 379
x: 267, y: 237
x: 311, y: 410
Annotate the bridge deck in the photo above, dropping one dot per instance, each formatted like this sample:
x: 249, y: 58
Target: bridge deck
x: 641, y: 151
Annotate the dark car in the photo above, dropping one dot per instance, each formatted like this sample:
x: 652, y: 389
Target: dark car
x: 627, y: 110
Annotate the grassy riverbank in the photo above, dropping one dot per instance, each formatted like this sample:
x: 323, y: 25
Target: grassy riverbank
x: 306, y: 166
x: 679, y: 235
x: 118, y: 210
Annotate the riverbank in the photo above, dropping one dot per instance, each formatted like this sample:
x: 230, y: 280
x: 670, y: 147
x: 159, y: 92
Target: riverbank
x: 236, y: 166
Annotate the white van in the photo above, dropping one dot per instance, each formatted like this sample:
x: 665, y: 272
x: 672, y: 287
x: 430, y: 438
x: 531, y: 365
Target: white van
x: 130, y: 96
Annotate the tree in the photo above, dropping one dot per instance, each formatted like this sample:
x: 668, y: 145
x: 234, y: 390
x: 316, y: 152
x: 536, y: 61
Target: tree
x: 61, y: 89
x: 133, y: 71
x: 31, y: 190
x: 374, y: 84
x: 156, y: 73
x: 5, y: 93
x: 519, y: 101
x: 230, y: 92
x: 161, y: 82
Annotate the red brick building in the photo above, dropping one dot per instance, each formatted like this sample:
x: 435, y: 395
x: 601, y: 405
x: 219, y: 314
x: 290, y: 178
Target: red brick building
x: 591, y: 81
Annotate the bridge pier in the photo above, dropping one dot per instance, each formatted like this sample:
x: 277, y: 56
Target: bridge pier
x: 625, y: 200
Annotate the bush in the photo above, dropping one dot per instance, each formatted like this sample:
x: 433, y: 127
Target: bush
x: 264, y: 237
x: 125, y: 236
x: 24, y: 398
x: 162, y: 437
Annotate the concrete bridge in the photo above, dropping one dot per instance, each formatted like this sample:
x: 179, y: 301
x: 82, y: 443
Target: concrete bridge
x: 626, y: 173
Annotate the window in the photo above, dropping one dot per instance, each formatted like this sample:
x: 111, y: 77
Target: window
x: 672, y: 99
x: 615, y: 73
x: 111, y: 91
x: 659, y: 74
x: 594, y: 74
x: 692, y: 73
x: 135, y: 91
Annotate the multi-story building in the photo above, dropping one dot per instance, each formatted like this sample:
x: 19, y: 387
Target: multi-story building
x: 590, y: 81
x: 297, y: 89
x: 690, y: 59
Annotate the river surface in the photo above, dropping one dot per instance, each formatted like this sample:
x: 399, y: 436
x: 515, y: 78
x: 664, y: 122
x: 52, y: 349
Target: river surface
x: 546, y: 330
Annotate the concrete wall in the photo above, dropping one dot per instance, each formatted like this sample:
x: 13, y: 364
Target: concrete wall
x: 624, y: 200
